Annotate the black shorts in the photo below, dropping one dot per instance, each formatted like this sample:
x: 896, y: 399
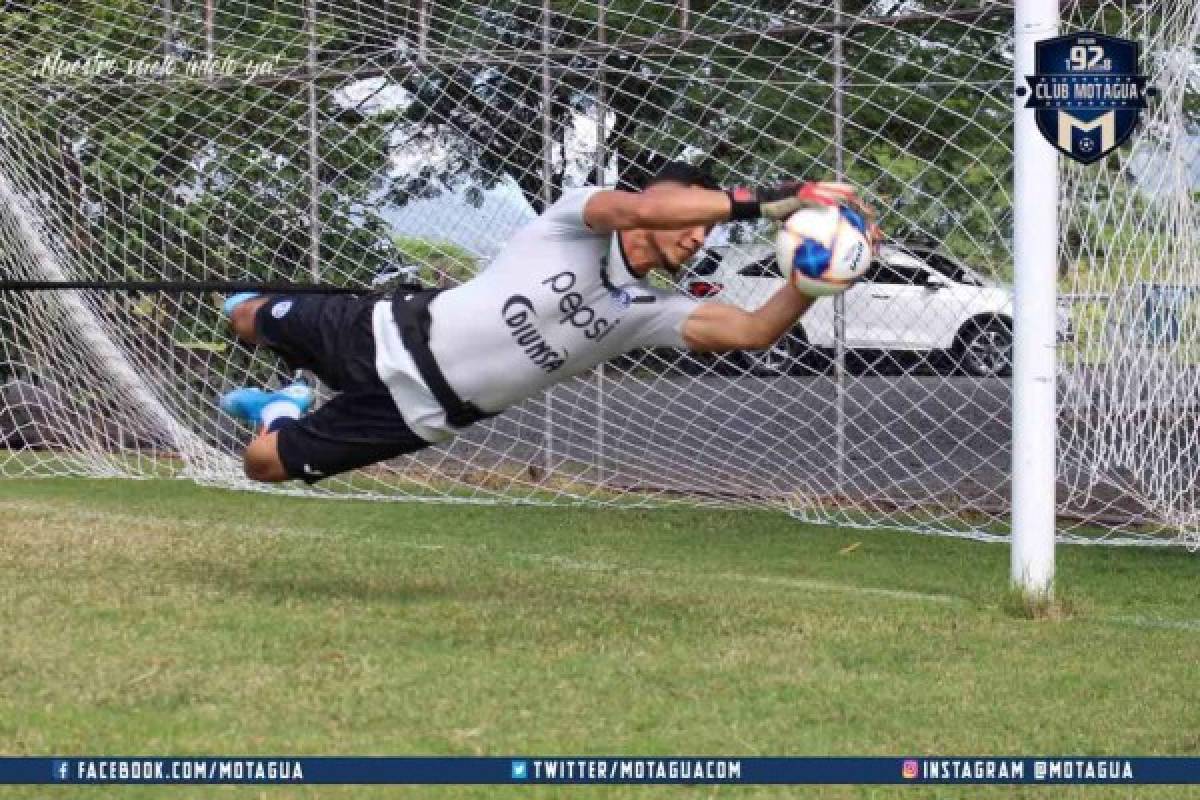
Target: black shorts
x: 332, y: 336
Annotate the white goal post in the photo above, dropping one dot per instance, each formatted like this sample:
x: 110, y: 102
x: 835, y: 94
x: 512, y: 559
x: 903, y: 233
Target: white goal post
x: 1035, y: 270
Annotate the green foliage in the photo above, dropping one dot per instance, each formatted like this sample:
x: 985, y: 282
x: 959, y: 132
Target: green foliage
x: 926, y: 123
x: 182, y: 179
x: 185, y: 179
x: 439, y: 263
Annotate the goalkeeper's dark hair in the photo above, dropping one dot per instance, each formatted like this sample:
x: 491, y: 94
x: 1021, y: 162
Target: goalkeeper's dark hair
x: 684, y: 173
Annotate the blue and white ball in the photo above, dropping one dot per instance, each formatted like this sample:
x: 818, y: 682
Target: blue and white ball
x: 824, y: 249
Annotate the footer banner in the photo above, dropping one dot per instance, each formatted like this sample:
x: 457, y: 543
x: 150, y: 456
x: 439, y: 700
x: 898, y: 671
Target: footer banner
x: 592, y: 770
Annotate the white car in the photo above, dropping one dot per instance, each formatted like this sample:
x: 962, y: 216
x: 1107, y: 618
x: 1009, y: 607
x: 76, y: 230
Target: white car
x: 913, y: 300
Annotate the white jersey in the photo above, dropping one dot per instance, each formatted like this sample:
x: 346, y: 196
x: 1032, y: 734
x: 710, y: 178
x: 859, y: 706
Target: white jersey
x: 557, y: 301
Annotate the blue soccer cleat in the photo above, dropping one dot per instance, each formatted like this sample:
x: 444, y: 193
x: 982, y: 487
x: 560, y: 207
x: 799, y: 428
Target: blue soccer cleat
x: 233, y: 301
x: 248, y: 403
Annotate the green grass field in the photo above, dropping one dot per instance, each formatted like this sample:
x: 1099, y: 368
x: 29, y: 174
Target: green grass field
x: 157, y: 617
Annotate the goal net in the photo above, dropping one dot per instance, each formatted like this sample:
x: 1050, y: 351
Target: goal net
x: 343, y: 142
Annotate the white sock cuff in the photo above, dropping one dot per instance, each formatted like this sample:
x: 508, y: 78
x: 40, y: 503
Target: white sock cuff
x: 278, y: 409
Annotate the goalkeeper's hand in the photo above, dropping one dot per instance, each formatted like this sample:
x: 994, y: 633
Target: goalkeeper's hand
x: 782, y: 200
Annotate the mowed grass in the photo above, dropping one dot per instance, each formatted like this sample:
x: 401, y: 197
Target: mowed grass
x: 159, y: 617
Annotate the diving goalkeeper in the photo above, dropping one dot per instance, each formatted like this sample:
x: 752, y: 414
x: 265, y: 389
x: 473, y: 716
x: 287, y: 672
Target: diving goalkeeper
x: 568, y: 292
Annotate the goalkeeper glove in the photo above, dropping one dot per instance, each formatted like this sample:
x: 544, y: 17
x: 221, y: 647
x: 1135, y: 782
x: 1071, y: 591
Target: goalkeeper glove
x: 781, y: 201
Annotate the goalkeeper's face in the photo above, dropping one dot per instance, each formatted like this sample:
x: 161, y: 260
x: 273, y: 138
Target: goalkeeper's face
x: 676, y: 247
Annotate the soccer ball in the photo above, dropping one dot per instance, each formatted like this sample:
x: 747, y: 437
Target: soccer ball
x: 824, y: 249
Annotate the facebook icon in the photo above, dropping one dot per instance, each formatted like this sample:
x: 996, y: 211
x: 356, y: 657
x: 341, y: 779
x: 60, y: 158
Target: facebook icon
x: 61, y: 770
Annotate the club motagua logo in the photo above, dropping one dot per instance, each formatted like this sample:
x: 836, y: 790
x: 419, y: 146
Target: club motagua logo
x: 1087, y: 94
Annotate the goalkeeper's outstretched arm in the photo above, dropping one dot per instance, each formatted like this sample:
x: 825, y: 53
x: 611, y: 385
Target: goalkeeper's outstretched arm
x: 720, y: 327
x: 671, y: 206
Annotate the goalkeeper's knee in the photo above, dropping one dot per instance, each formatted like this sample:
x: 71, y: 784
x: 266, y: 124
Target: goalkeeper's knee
x: 261, y: 460
x: 242, y: 316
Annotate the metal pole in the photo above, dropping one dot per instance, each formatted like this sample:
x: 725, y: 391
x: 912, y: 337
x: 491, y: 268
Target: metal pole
x: 601, y: 94
x: 422, y: 30
x: 839, y: 144
x: 839, y: 302
x: 547, y: 199
x: 314, y: 177
x: 209, y: 24
x: 599, y: 177
x: 1035, y: 235
x: 168, y: 29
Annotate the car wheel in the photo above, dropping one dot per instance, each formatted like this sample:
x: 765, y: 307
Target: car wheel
x: 985, y: 350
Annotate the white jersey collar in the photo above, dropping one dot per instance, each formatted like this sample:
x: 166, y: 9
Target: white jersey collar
x: 617, y: 277
x: 615, y: 269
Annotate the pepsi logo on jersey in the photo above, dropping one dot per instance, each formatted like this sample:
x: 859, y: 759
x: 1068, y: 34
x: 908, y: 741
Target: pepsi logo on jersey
x: 575, y: 311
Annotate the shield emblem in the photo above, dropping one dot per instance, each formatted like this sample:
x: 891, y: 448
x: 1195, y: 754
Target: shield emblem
x: 1087, y: 94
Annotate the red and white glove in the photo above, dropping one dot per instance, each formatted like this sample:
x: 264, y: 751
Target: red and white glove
x: 782, y: 200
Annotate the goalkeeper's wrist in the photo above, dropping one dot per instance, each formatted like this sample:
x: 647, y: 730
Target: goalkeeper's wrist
x: 743, y: 204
